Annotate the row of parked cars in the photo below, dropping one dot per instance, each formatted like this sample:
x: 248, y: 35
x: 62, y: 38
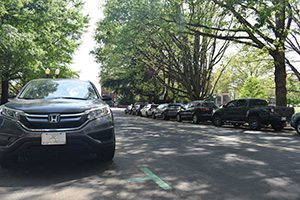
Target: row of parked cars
x: 196, y: 110
x: 254, y: 112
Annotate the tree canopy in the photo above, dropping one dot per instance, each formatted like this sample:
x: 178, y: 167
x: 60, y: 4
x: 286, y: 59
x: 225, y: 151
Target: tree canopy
x: 35, y: 35
x: 271, y: 25
x: 177, y: 43
x: 140, y: 48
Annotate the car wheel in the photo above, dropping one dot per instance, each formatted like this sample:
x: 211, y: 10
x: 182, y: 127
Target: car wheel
x: 195, y: 119
x: 297, y: 127
x: 178, y: 118
x: 153, y: 116
x: 164, y: 116
x: 278, y: 126
x: 254, y: 123
x: 217, y: 121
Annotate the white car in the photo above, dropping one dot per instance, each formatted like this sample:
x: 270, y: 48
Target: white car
x: 147, y: 110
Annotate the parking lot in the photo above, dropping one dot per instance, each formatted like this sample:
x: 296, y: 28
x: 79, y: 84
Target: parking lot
x: 158, y: 159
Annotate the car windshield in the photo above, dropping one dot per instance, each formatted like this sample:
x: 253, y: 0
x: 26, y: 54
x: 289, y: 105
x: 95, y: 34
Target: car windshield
x: 56, y: 89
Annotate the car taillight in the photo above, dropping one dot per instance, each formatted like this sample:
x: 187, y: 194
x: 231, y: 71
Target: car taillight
x: 204, y: 109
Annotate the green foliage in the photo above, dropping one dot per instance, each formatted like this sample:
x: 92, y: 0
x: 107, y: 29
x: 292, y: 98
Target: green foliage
x: 293, y: 91
x: 253, y: 89
x: 38, y: 34
x: 248, y: 62
x: 150, y: 42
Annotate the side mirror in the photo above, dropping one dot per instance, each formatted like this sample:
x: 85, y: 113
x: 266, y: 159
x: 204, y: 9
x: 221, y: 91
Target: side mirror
x: 12, y: 96
x: 106, y: 98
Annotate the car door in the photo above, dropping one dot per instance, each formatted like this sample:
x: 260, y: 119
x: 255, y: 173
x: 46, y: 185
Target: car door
x: 173, y: 110
x: 240, y: 110
x: 229, y: 110
x: 186, y: 111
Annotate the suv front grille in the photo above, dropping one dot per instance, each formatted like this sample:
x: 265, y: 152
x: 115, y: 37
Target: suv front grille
x: 65, y: 121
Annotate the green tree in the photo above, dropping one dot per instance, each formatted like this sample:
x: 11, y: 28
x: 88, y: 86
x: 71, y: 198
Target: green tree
x: 247, y: 62
x: 253, y: 89
x: 140, y: 38
x: 37, y: 34
x: 263, y: 24
x: 292, y: 92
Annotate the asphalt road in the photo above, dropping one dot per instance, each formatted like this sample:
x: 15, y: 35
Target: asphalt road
x: 158, y: 159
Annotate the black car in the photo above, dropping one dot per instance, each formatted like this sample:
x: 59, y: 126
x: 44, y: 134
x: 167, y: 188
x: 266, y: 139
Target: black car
x: 167, y: 111
x: 197, y: 111
x: 53, y: 117
x: 295, y: 122
x: 255, y: 112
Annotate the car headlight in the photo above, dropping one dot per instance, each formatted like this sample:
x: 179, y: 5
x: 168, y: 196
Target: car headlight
x: 10, y: 113
x: 98, y: 112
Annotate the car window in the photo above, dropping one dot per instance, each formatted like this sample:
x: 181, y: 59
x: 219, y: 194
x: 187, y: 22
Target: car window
x: 258, y: 102
x: 154, y: 106
x: 241, y: 103
x: 51, y: 89
x: 199, y: 104
x: 210, y: 105
x: 231, y: 104
x: 190, y: 105
x: 162, y: 106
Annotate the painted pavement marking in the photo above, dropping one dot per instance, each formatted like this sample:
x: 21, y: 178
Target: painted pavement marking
x: 151, y: 176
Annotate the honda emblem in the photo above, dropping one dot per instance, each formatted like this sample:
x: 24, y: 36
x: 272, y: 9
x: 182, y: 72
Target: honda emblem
x: 53, y: 118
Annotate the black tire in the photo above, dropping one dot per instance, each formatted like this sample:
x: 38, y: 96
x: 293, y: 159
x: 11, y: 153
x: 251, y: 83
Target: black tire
x: 297, y: 127
x: 164, y: 116
x: 195, y: 119
x: 254, y: 123
x: 178, y: 118
x: 153, y: 116
x: 217, y: 121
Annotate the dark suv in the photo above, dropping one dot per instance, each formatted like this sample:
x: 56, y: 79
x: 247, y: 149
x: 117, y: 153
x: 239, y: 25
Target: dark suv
x: 197, y: 111
x: 56, y: 116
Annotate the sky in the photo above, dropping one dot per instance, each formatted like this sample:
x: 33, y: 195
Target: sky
x: 83, y: 61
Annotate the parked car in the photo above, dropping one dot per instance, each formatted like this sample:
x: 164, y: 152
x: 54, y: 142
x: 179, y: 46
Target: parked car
x: 167, y: 111
x: 56, y: 116
x: 196, y: 111
x: 295, y: 122
x: 147, y: 110
x: 255, y: 112
x: 128, y: 109
x: 136, y: 110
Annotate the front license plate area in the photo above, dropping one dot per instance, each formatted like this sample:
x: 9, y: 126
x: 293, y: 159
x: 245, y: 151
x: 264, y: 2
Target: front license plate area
x: 53, y: 138
x: 283, y: 118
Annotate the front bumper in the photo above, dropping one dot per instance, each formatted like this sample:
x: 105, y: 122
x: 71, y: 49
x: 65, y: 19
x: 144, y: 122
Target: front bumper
x: 96, y: 136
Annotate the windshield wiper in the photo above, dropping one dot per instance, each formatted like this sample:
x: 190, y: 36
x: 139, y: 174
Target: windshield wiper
x: 78, y: 98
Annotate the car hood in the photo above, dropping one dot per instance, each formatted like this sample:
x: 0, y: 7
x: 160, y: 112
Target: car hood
x: 54, y: 105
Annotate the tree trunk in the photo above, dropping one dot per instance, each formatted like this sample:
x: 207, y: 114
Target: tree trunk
x: 279, y: 54
x: 4, y: 93
x: 280, y: 79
